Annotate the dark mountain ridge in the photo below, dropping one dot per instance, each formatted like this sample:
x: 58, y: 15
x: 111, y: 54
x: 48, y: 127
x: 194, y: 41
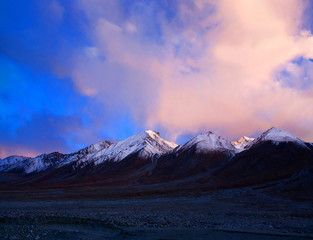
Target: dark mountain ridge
x: 205, y: 162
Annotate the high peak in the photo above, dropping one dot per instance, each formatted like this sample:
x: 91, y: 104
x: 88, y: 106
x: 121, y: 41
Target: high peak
x: 242, y: 143
x: 146, y: 143
x: 278, y: 135
x: 152, y: 132
x: 276, y: 132
x: 275, y: 129
x: 247, y: 138
x: 208, y: 141
x: 207, y: 133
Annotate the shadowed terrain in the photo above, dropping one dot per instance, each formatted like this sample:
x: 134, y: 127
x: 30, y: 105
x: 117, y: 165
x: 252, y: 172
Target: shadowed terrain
x: 206, y: 188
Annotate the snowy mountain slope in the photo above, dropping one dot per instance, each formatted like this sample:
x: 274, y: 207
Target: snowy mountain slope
x: 43, y: 162
x: 274, y: 155
x: 29, y: 165
x: 242, y: 143
x: 207, y: 141
x: 196, y: 159
x: 13, y: 163
x: 277, y: 135
x: 85, y: 155
x: 146, y: 143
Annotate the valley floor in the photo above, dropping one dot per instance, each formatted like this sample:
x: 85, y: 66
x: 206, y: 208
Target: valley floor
x: 227, y: 214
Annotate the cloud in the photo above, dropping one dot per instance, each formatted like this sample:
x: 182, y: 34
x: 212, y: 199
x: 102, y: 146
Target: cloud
x: 116, y: 69
x: 235, y: 88
x: 206, y: 65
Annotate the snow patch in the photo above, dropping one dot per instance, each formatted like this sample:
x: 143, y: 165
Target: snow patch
x: 277, y: 135
x: 146, y: 143
x: 13, y: 162
x: 208, y: 142
x: 242, y: 143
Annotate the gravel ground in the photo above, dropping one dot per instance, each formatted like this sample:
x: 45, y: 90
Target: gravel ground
x: 219, y: 215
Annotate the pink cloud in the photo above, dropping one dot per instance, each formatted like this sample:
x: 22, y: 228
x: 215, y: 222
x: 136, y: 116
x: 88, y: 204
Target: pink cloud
x: 236, y: 90
x: 224, y: 75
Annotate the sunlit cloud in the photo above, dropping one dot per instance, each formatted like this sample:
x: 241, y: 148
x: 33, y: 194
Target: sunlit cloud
x: 216, y: 65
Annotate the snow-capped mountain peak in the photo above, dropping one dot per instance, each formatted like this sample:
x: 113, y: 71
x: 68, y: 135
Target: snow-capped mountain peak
x: 146, y: 143
x: 277, y: 135
x: 156, y: 136
x: 242, y: 143
x: 208, y: 141
x: 13, y: 162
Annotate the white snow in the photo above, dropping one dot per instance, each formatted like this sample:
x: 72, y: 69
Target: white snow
x: 277, y: 135
x: 43, y: 162
x: 36, y: 164
x: 242, y: 143
x: 100, y: 145
x: 208, y: 142
x: 13, y: 162
x: 147, y: 143
x: 84, y: 155
x: 28, y: 164
x: 39, y: 163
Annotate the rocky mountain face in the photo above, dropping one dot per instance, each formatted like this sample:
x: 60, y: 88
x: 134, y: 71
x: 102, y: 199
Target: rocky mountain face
x: 207, y: 161
x: 202, y: 154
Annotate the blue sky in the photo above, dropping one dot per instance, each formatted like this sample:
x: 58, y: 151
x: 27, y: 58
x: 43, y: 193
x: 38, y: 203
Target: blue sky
x: 76, y: 72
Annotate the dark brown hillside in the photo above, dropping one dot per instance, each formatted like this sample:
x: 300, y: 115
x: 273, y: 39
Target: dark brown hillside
x: 265, y: 162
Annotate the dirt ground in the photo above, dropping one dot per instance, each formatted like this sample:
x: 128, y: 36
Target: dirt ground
x: 228, y: 214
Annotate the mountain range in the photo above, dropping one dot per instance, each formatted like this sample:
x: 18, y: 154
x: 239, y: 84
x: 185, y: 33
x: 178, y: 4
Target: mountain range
x: 207, y: 161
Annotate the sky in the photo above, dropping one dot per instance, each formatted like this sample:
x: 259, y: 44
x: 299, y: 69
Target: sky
x: 75, y: 72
